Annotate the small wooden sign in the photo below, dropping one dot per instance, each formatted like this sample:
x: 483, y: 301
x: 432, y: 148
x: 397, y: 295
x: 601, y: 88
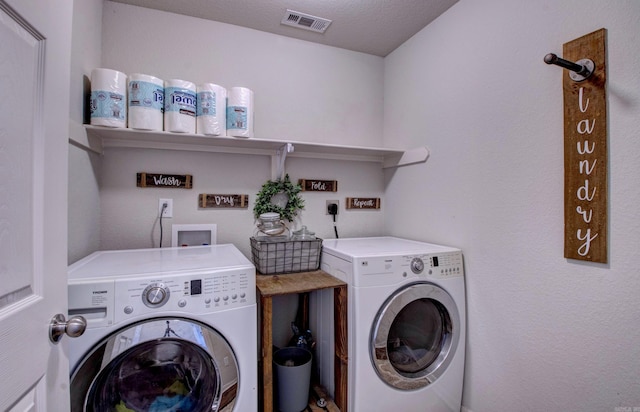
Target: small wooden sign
x: 164, y: 180
x: 585, y: 153
x: 315, y: 185
x: 207, y: 201
x: 363, y: 203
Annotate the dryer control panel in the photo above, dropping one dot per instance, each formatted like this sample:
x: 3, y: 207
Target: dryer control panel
x: 441, y: 265
x: 385, y: 270
x: 444, y: 265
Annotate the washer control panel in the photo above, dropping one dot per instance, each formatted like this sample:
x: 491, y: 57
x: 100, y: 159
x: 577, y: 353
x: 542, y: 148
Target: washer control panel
x: 195, y: 293
x: 106, y: 302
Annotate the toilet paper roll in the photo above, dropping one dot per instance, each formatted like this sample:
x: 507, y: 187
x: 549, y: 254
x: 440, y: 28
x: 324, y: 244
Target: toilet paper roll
x: 240, y: 112
x: 108, y: 102
x: 212, y: 110
x: 146, y: 102
x: 179, y: 106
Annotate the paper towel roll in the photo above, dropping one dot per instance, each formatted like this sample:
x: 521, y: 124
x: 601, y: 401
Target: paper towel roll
x: 108, y: 102
x: 240, y: 112
x: 212, y: 110
x: 179, y: 106
x: 146, y: 102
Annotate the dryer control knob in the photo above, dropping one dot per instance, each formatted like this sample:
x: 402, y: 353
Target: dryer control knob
x: 417, y: 265
x: 155, y: 295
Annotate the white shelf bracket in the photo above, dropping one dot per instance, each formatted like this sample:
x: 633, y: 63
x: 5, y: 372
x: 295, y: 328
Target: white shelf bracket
x: 79, y: 137
x: 278, y: 160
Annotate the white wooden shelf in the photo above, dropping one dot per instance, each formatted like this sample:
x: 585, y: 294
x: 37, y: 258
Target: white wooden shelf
x: 97, y: 138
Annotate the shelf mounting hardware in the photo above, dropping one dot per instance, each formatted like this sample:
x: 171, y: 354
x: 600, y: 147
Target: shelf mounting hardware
x: 280, y: 157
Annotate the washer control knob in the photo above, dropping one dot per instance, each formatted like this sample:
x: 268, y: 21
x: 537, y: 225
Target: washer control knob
x: 417, y: 265
x: 155, y: 295
x: 182, y: 303
x: 128, y: 309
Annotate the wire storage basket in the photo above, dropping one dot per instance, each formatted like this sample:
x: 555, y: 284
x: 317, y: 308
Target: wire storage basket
x: 285, y: 256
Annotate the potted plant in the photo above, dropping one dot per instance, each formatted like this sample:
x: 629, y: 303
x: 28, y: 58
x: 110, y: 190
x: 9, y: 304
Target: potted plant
x: 279, y: 196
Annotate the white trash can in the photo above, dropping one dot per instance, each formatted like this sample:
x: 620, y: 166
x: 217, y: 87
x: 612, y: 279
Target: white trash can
x: 292, y: 366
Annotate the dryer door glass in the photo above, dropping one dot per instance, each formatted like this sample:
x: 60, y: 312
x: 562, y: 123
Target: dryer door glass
x: 163, y: 364
x: 414, y: 336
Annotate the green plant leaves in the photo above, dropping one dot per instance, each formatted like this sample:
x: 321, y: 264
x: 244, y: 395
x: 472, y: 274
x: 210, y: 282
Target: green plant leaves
x: 272, y: 187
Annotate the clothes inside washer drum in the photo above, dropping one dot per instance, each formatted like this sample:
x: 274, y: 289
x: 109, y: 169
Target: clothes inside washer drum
x: 168, y: 375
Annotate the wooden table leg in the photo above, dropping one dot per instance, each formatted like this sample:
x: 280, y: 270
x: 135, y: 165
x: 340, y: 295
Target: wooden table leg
x: 341, y: 361
x: 267, y: 353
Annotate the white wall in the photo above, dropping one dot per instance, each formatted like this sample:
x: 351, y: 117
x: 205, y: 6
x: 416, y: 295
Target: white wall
x: 544, y: 333
x: 129, y: 216
x: 84, y: 167
x: 304, y: 92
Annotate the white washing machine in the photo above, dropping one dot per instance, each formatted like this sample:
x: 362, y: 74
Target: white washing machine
x: 406, y: 324
x: 168, y: 329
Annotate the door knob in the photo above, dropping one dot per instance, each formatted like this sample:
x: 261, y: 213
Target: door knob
x: 59, y: 326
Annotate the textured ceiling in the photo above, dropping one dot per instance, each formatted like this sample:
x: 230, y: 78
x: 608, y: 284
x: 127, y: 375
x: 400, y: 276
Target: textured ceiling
x: 370, y: 26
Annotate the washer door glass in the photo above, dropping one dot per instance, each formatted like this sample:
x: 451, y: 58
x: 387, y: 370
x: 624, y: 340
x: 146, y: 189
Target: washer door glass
x: 161, y: 375
x: 414, y: 336
x: 167, y: 364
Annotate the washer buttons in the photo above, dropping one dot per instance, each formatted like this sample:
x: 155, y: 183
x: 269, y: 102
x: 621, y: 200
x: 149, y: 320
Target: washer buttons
x: 128, y: 310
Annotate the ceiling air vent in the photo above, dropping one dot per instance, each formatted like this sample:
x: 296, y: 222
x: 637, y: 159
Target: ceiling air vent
x: 305, y: 21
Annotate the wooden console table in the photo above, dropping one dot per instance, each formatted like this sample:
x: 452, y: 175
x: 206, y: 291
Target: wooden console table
x: 269, y: 286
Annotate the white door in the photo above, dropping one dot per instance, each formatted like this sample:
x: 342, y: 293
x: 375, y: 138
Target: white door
x: 35, y: 47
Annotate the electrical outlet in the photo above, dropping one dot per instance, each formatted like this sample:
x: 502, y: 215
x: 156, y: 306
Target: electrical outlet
x: 168, y: 211
x: 334, y: 202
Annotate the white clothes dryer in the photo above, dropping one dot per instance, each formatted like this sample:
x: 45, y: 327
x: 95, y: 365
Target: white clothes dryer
x: 168, y: 329
x: 406, y: 324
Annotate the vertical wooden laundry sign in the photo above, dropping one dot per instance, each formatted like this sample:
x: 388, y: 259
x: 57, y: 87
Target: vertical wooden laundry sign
x: 585, y: 152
